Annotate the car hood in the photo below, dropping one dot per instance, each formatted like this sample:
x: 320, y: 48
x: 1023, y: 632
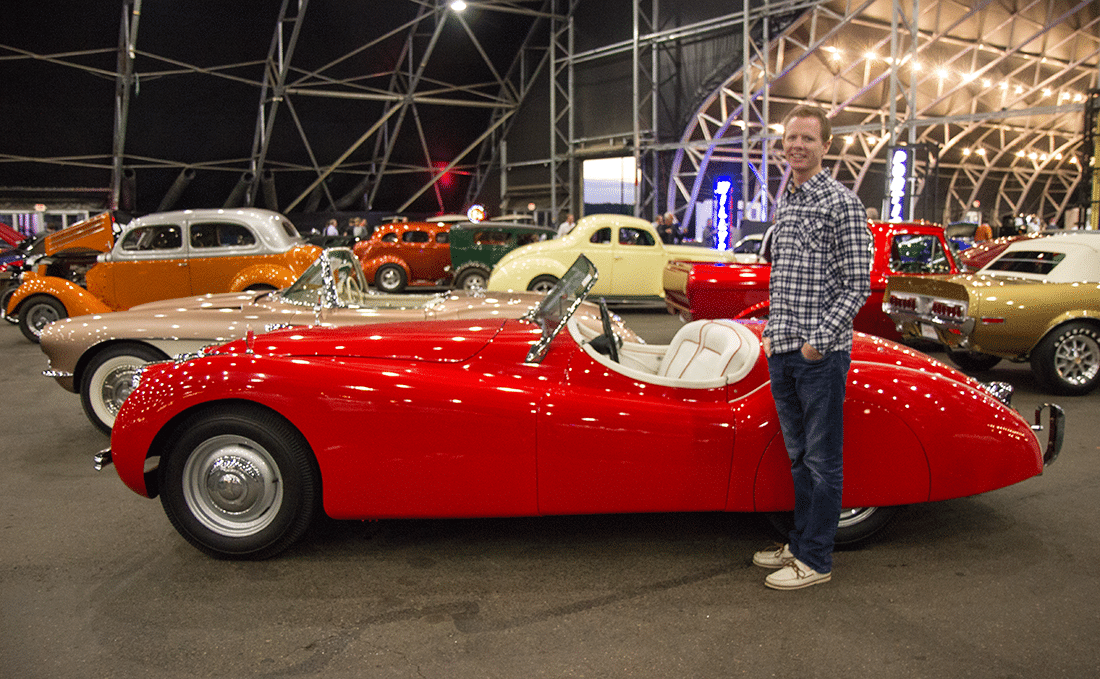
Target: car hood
x: 227, y: 300
x: 435, y: 341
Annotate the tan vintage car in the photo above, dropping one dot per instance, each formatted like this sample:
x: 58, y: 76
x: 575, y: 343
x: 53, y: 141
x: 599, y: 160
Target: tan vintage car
x: 98, y: 354
x: 1039, y: 301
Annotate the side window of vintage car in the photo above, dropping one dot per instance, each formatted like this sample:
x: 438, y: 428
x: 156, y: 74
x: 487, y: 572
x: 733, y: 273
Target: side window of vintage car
x: 220, y: 234
x: 631, y: 236
x: 443, y: 237
x: 601, y: 236
x: 416, y: 237
x: 389, y: 238
x: 153, y: 237
x: 490, y: 238
x: 912, y: 253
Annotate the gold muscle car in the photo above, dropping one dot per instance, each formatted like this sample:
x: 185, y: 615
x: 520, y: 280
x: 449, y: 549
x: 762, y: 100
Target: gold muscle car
x: 1039, y: 301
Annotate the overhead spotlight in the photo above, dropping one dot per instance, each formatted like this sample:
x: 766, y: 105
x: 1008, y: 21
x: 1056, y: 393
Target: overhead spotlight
x: 458, y: 5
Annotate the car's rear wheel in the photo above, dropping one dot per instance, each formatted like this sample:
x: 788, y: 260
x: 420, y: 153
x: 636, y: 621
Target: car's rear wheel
x: 472, y: 279
x: 1067, y: 360
x: 390, y: 278
x: 108, y: 380
x: 855, y: 525
x: 240, y: 482
x: 972, y: 361
x: 542, y: 284
x: 37, y: 312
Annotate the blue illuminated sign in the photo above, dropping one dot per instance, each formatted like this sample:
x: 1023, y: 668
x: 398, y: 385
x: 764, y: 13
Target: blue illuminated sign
x: 723, y: 213
x: 897, y: 189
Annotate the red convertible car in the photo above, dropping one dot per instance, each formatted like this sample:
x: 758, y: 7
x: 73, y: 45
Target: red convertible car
x: 248, y: 442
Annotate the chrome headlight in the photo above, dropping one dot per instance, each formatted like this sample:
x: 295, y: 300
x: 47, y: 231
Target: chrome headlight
x: 1002, y: 391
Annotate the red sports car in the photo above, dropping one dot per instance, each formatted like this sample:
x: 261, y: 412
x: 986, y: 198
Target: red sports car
x: 248, y: 442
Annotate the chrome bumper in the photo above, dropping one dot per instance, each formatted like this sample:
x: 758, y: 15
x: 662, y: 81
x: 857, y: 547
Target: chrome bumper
x: 1056, y: 430
x: 101, y: 459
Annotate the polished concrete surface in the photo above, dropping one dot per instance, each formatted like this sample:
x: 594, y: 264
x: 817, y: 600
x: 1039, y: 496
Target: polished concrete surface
x: 94, y: 582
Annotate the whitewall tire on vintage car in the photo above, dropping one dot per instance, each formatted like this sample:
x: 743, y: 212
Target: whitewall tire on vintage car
x: 856, y: 524
x: 239, y: 482
x: 37, y: 312
x: 108, y: 380
x: 1067, y: 360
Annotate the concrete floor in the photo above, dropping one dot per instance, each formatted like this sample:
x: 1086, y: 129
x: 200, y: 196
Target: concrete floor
x: 94, y: 582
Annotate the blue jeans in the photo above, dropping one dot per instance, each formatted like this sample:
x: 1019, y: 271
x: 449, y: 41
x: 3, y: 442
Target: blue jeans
x: 809, y: 398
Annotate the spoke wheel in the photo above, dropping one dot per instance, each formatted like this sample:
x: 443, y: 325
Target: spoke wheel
x: 1067, y: 360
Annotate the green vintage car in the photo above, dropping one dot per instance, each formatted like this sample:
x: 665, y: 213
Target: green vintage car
x: 1039, y: 301
x: 477, y: 247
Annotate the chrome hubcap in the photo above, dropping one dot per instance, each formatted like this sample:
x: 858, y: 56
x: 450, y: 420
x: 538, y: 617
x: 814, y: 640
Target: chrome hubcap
x: 390, y: 278
x: 850, y: 517
x: 473, y: 283
x: 232, y: 486
x: 1077, y: 360
x: 117, y: 385
x: 42, y: 315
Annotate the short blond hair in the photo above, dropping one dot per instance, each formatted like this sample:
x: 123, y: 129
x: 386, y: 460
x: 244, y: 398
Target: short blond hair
x: 807, y: 111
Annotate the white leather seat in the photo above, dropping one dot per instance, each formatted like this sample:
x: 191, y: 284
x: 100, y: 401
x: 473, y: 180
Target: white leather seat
x: 704, y: 350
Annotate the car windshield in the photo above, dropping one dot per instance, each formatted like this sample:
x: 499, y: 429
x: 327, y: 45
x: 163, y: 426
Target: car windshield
x: 559, y: 304
x: 335, y: 280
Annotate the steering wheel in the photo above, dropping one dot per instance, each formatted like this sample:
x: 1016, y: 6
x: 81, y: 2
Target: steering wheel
x: 612, y: 340
x: 348, y: 286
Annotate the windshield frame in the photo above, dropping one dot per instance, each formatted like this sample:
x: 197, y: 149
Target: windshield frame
x: 317, y: 284
x: 559, y: 305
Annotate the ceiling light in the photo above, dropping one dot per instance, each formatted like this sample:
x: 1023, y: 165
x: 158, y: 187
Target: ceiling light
x: 458, y: 5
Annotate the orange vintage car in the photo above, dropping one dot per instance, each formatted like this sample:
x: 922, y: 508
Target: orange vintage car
x: 159, y: 256
x: 400, y: 254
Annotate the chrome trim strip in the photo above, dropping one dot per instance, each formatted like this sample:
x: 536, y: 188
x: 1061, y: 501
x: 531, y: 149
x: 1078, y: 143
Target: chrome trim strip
x: 56, y: 373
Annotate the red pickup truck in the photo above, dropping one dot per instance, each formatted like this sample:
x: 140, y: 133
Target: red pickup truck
x: 727, y: 290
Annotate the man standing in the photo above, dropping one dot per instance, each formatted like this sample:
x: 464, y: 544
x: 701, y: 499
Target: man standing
x: 566, y: 226
x: 820, y: 250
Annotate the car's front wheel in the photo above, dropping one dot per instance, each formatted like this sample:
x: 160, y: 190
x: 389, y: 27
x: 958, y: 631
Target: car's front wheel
x: 37, y: 312
x: 239, y: 482
x: 5, y: 297
x: 390, y: 278
x: 1067, y: 360
x: 108, y: 380
x: 542, y: 284
x: 855, y: 525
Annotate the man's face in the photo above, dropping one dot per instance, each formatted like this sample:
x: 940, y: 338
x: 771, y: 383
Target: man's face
x: 803, y: 147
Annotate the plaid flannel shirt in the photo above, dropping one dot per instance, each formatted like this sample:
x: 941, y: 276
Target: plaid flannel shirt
x: 821, y: 253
